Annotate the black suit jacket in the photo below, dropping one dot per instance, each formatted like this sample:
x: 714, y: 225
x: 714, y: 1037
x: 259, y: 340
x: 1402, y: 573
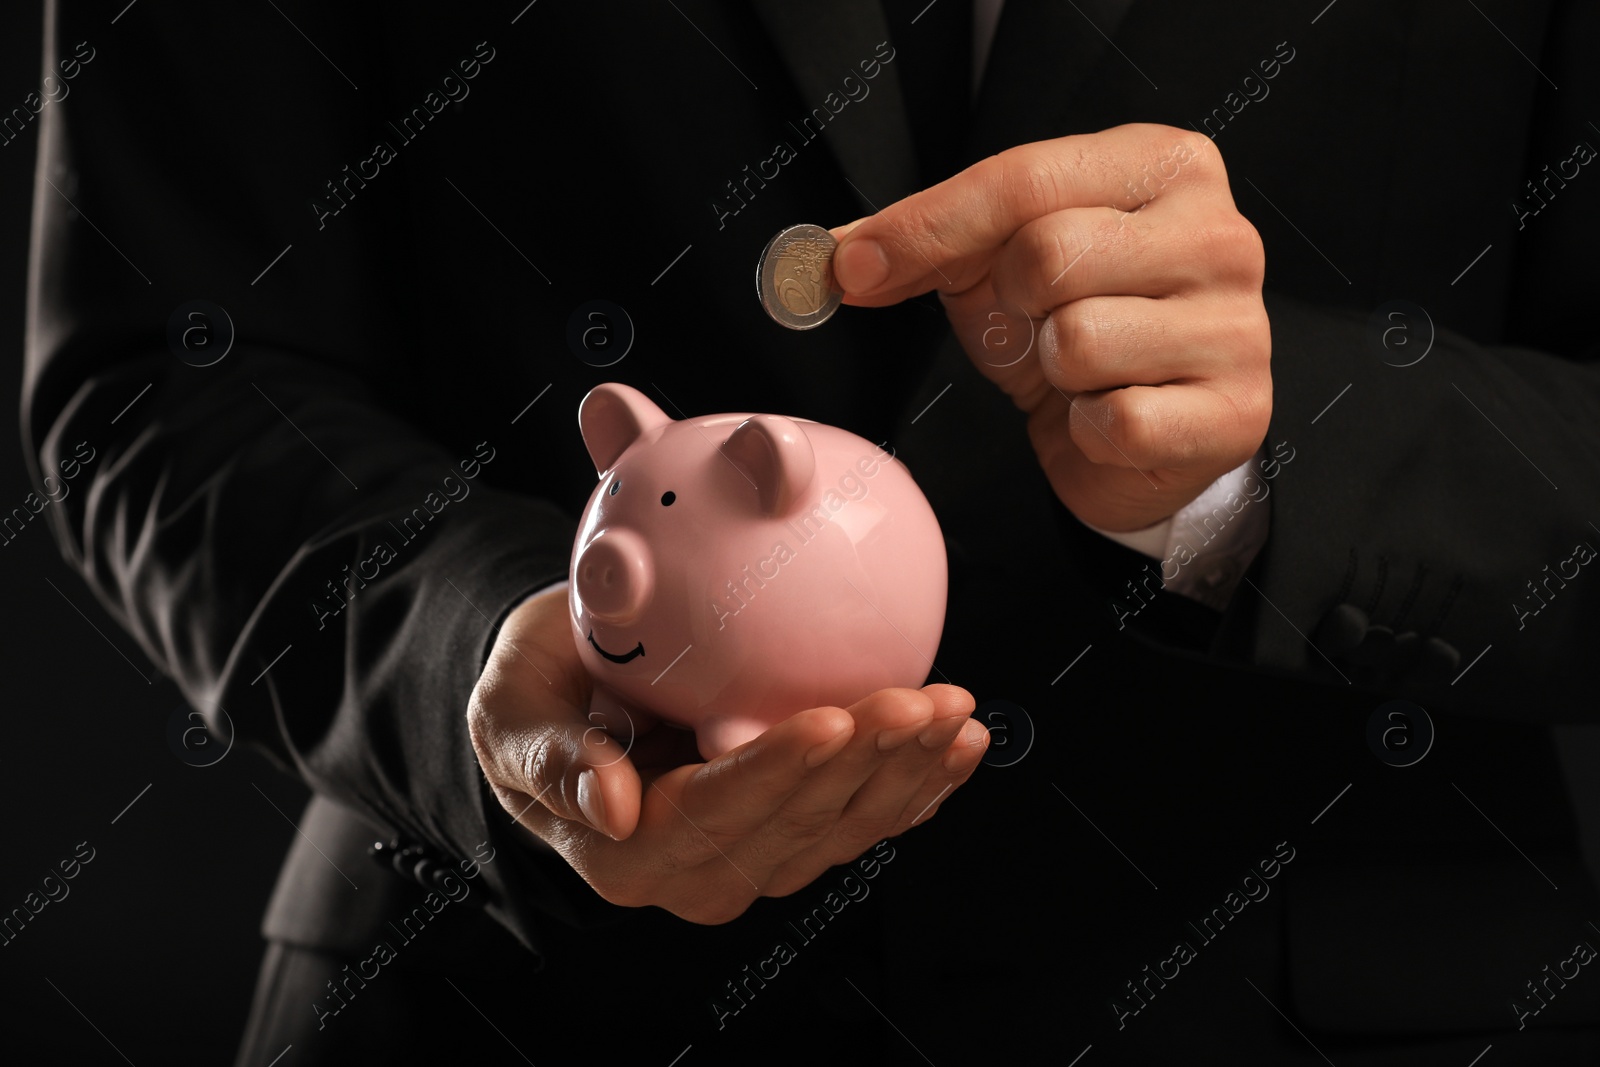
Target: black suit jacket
x: 400, y: 211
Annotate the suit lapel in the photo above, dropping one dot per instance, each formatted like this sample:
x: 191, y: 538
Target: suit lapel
x: 822, y: 42
x: 1043, y: 52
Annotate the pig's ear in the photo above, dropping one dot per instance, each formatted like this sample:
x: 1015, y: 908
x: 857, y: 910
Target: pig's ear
x: 612, y: 417
x: 776, y: 456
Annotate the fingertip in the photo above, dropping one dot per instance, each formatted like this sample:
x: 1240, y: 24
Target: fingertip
x: 820, y: 754
x: 838, y: 233
x: 976, y: 732
x: 950, y: 699
x: 832, y: 721
x: 831, y: 730
x: 861, y: 265
x: 967, y: 749
x: 894, y: 716
x: 592, y: 801
x: 899, y: 704
x: 608, y: 798
x: 622, y: 829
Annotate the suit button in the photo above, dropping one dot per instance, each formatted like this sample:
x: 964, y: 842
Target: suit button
x: 416, y: 862
x: 1342, y: 630
x: 1407, y: 650
x: 406, y: 858
x: 403, y: 859
x: 1436, y: 665
x: 383, y: 853
x: 1376, y: 648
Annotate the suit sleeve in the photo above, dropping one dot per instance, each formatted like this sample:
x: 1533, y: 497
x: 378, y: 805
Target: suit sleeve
x: 1445, y: 499
x: 1453, y: 501
x: 275, y: 535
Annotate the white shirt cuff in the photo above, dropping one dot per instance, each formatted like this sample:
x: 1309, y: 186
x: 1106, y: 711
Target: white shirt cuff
x: 1207, y: 546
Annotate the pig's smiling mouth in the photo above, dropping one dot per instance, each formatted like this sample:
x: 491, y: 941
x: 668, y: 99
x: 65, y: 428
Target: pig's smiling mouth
x: 634, y: 653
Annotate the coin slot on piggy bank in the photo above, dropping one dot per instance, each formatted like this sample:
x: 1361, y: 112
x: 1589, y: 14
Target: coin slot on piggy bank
x: 732, y: 570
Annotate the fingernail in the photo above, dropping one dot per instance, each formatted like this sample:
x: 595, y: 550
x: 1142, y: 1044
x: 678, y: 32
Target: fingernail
x: 841, y: 232
x: 592, y: 802
x: 860, y: 266
x: 962, y: 758
x: 941, y: 733
x: 892, y: 739
x: 830, y: 748
x: 1048, y: 344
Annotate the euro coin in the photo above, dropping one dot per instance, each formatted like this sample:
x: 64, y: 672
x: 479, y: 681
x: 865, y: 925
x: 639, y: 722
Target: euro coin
x: 794, y: 279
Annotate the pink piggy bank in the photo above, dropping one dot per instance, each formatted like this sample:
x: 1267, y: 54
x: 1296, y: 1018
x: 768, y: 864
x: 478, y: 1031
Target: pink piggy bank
x: 731, y: 570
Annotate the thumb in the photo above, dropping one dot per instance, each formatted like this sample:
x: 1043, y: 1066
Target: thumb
x: 579, y: 772
x: 554, y: 760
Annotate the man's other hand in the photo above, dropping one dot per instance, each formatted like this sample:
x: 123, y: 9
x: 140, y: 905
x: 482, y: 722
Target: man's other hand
x: 650, y: 824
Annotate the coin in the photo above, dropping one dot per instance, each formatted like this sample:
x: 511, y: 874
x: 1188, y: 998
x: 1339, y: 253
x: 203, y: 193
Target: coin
x: 794, y: 279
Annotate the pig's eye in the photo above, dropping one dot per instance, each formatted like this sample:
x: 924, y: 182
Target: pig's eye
x: 667, y: 498
x: 614, y: 487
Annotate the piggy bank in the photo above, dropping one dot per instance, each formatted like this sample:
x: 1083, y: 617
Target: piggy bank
x: 731, y: 570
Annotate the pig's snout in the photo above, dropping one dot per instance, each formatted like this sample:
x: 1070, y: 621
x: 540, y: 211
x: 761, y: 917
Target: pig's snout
x: 615, y: 576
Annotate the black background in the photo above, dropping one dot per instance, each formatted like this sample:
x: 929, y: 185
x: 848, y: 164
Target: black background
x: 160, y: 928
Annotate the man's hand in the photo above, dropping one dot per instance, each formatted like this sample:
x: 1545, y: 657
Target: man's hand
x: 649, y: 824
x: 1107, y: 283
